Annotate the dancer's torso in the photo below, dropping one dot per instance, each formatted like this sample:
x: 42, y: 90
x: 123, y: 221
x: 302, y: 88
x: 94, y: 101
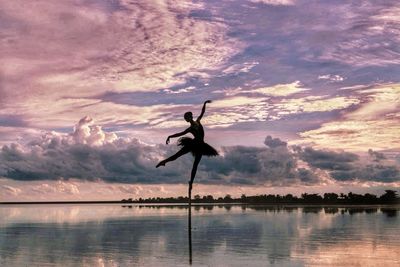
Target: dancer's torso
x: 197, y: 130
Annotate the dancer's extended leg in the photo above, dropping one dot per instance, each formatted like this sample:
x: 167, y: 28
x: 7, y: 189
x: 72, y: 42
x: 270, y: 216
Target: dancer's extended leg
x: 196, y: 162
x: 181, y: 152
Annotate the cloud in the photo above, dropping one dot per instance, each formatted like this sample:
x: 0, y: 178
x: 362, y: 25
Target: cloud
x: 277, y: 90
x: 346, y: 166
x: 380, y: 173
x: 280, y: 89
x: 58, y: 58
x: 244, y: 106
x: 274, y: 142
x: 314, y: 104
x: 275, y: 2
x: 378, y: 156
x: 236, y: 69
x: 220, y: 113
x: 329, y: 160
x: 59, y: 187
x: 94, y: 136
x: 373, y: 123
x: 89, y: 153
x: 180, y: 91
x: 9, y: 190
x: 258, y: 166
x: 331, y: 77
x: 137, y: 66
x: 12, y: 134
x: 78, y: 189
x: 362, y: 35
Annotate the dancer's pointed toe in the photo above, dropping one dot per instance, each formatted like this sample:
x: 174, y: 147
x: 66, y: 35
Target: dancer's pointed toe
x: 161, y: 163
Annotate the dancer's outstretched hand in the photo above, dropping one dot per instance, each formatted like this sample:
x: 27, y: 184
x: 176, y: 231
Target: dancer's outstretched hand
x: 167, y: 142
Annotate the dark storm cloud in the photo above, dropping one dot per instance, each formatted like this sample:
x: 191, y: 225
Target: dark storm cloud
x: 376, y: 155
x: 274, y: 142
x: 89, y: 153
x: 127, y: 162
x: 370, y: 172
x: 133, y: 162
x: 345, y: 166
x: 328, y: 160
x: 274, y: 164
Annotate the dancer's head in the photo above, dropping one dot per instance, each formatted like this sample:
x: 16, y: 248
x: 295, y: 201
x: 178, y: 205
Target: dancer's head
x: 188, y: 116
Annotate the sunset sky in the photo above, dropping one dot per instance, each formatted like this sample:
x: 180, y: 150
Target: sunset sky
x: 306, y: 96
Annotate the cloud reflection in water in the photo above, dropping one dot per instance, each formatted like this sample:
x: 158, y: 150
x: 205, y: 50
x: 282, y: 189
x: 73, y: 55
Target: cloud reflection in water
x: 111, y: 235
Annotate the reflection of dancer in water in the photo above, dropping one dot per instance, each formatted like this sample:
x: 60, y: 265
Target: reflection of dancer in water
x: 197, y: 145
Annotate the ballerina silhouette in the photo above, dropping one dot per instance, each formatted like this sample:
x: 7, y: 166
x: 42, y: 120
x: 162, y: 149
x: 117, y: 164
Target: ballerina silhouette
x: 195, y: 145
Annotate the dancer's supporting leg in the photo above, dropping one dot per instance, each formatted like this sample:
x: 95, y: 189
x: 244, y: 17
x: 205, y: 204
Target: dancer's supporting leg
x: 196, y: 162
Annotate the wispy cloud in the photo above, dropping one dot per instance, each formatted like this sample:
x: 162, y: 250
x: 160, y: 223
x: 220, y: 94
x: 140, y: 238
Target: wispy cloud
x: 281, y: 89
x: 315, y: 104
x: 97, y: 48
x: 375, y: 123
x: 331, y: 77
x: 275, y: 2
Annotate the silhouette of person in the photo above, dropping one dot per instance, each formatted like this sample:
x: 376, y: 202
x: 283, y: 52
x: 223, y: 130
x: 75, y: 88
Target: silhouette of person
x: 195, y: 145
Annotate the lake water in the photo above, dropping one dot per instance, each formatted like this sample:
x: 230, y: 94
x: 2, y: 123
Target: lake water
x: 112, y: 235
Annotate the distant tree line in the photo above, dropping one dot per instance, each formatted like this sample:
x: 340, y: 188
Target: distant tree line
x: 389, y: 197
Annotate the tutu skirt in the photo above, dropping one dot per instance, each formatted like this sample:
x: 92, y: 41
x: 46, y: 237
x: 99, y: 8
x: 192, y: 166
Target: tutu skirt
x: 197, y: 147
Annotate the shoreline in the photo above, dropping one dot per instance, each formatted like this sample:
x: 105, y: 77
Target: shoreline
x: 199, y: 204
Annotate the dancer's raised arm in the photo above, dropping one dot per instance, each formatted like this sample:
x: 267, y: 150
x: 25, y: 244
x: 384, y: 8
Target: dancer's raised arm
x: 177, y: 135
x: 203, y: 110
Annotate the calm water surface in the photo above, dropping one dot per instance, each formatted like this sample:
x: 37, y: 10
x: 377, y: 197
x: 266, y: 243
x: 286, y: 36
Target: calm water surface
x: 112, y: 235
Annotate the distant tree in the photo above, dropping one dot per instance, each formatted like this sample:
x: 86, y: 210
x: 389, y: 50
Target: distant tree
x: 331, y: 197
x: 288, y: 198
x: 228, y: 198
x: 355, y: 198
x: 209, y: 198
x: 370, y: 199
x: 270, y: 198
x: 390, y: 196
x: 311, y: 198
